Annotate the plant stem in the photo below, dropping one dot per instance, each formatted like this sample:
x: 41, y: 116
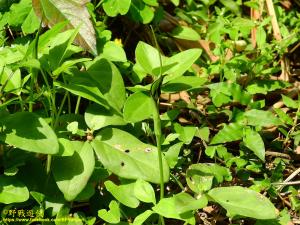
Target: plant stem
x: 157, y: 131
x: 77, y: 105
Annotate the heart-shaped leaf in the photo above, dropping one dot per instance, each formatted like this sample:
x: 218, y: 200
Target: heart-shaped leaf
x: 123, y: 193
x: 144, y: 191
x: 114, y: 7
x: 111, y: 216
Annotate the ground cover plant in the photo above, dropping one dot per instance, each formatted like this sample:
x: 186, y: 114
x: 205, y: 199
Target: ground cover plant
x: 149, y: 112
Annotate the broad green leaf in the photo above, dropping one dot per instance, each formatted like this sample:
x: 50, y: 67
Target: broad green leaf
x: 243, y: 202
x: 147, y: 57
x: 261, y: 118
x: 55, y: 11
x: 115, y: 7
x: 124, y: 193
x: 97, y: 117
x: 140, y: 219
x: 172, y: 154
x: 138, y: 107
x: 254, y: 142
x: 290, y: 102
x: 12, y: 190
x: 179, y: 206
x: 68, y: 147
x: 265, y: 86
x: 18, y: 13
x: 128, y: 157
x: 31, y: 23
x: 181, y: 62
x: 109, y: 80
x: 101, y: 83
x: 183, y: 83
x: 229, y: 133
x: 186, y: 133
x: 29, y: 132
x: 144, y: 192
x: 72, y: 173
x: 141, y: 12
x: 111, y: 216
x: 186, y: 33
x: 200, y: 176
x: 232, y: 6
x: 113, y: 52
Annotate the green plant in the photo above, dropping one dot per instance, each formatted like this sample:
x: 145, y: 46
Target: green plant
x: 100, y: 124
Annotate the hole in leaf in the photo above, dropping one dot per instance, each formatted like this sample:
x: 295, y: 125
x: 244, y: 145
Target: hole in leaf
x: 127, y: 150
x: 122, y: 164
x: 147, y: 149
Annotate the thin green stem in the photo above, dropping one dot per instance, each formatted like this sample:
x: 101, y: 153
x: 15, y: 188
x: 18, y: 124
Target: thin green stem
x: 77, y: 105
x: 60, y: 109
x: 157, y: 129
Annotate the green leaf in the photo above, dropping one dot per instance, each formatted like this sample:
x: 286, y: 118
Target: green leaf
x: 200, y: 176
x: 254, y: 142
x: 181, y: 62
x: 232, y: 6
x: 31, y: 23
x: 243, y: 202
x: 144, y: 192
x: 72, y: 173
x: 113, y: 52
x: 229, y: 133
x: 18, y: 13
x: 10, y: 80
x: 180, y: 206
x: 186, y: 133
x: 186, y: 33
x: 111, y: 216
x: 261, y: 118
x: 115, y: 7
x: 172, y: 154
x: 55, y: 11
x: 285, y: 118
x: 97, y: 117
x: 29, y: 132
x: 261, y: 37
x: 183, y: 83
x: 12, y: 190
x: 140, y: 219
x: 141, y: 12
x: 290, y: 102
x: 147, y: 57
x: 128, y: 157
x: 101, y: 83
x: 124, y: 193
x: 265, y: 86
x: 138, y: 107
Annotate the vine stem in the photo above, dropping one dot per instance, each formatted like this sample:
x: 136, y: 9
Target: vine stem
x: 157, y: 131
